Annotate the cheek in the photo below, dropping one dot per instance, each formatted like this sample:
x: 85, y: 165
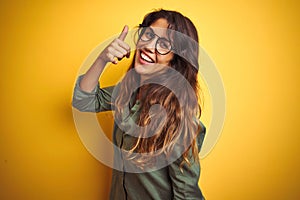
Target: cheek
x: 140, y: 44
x: 165, y: 59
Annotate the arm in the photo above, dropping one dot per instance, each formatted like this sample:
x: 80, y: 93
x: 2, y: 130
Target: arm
x: 116, y: 49
x: 99, y: 99
x: 87, y: 94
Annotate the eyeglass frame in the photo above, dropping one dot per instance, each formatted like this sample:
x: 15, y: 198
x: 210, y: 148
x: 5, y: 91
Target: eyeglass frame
x: 141, y: 27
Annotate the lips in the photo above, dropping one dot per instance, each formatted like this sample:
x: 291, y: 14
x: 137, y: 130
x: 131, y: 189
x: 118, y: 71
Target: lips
x: 145, y: 59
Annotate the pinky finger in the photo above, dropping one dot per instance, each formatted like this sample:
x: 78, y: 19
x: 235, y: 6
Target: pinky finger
x: 112, y: 59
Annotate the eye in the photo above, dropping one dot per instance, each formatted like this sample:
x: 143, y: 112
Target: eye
x: 149, y: 34
x: 164, y: 43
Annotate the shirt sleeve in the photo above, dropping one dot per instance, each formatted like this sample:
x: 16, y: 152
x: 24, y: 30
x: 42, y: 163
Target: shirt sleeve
x: 99, y: 99
x: 185, y: 180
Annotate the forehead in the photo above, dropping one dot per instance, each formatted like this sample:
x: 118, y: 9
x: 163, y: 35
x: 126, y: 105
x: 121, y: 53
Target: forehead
x: 160, y: 23
x: 160, y: 26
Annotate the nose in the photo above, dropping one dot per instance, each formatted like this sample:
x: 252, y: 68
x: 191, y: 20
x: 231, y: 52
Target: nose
x: 150, y: 45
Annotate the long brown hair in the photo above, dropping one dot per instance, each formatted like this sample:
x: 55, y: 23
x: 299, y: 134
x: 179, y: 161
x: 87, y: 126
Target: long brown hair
x: 181, y: 125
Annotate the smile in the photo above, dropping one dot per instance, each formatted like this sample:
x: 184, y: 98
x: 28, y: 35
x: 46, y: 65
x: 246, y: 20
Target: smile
x: 146, y: 57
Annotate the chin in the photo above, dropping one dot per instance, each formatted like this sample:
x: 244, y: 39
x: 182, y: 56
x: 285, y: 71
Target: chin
x: 140, y: 69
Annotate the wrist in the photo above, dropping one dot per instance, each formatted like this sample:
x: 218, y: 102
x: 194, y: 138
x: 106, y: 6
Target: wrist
x: 101, y: 60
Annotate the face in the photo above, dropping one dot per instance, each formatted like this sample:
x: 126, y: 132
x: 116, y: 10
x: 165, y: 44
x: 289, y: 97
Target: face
x: 147, y: 60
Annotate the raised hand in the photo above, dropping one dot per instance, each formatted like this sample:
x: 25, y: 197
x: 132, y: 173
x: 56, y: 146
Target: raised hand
x: 116, y: 49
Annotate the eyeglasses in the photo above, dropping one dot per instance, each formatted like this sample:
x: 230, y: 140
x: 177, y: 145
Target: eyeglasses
x: 162, y: 46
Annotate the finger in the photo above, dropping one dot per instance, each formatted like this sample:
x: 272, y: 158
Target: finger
x: 115, y: 54
x: 118, y: 47
x: 123, y: 44
x: 125, y: 47
x: 117, y: 51
x: 123, y: 34
x: 128, y: 54
x: 118, y: 54
x: 112, y: 58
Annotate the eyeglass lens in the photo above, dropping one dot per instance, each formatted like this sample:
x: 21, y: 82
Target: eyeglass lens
x: 163, y: 45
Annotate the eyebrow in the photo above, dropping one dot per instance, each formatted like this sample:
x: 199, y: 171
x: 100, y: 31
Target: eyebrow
x: 168, y: 35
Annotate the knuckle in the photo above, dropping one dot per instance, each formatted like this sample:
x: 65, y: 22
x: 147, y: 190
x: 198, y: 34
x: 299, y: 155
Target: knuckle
x: 113, y: 44
x: 108, y: 55
x: 116, y: 40
x: 109, y: 49
x: 127, y: 48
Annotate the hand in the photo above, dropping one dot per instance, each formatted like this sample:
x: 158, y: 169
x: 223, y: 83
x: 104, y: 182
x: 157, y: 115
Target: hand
x: 116, y: 49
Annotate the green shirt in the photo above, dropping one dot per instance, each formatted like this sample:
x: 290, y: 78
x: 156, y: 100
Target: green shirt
x: 166, y: 183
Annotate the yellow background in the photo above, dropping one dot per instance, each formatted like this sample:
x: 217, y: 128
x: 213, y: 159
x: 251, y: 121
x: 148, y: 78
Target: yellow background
x: 254, y: 44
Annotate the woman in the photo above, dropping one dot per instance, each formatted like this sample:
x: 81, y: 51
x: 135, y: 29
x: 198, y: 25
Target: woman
x: 156, y: 109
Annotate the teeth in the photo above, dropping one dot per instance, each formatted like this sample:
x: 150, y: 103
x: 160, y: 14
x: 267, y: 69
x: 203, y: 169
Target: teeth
x: 146, y: 58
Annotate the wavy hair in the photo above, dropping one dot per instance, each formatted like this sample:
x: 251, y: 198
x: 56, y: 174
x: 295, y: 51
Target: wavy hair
x: 181, y: 126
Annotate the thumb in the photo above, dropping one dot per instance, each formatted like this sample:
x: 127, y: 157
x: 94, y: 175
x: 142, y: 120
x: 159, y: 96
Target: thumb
x: 123, y: 34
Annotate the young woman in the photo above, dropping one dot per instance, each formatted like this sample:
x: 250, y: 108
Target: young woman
x: 157, y: 127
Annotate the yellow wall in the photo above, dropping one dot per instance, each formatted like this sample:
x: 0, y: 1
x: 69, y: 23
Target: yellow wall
x: 254, y: 44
